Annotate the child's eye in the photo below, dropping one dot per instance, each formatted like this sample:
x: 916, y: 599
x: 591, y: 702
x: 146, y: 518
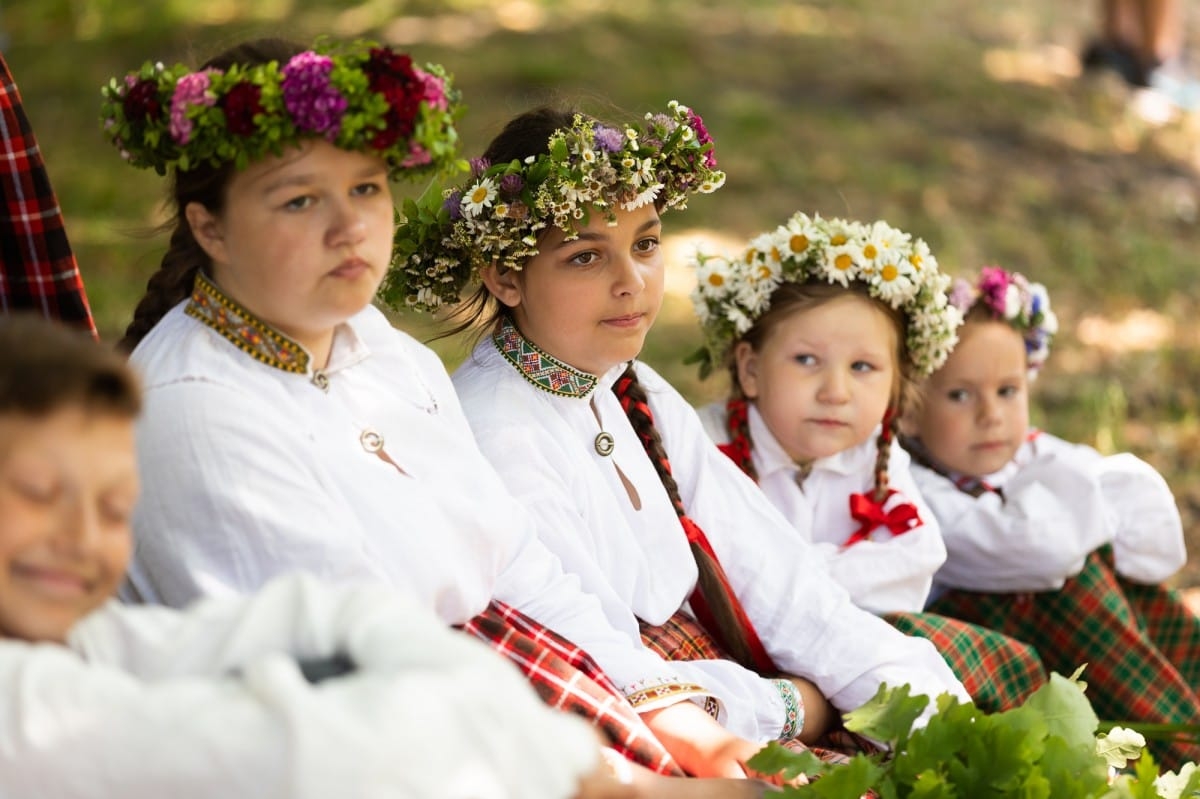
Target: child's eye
x: 805, y: 359
x: 958, y: 395
x: 366, y: 189
x: 585, y: 258
x: 648, y: 244
x: 862, y: 366
x: 35, y: 490
x: 116, y: 511
x: 1008, y: 391
x: 299, y: 203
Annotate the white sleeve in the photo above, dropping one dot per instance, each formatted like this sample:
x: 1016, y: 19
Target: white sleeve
x: 750, y: 704
x: 1034, y: 538
x: 448, y: 718
x: 210, y: 452
x: 893, y: 573
x: 805, y: 619
x: 1148, y: 543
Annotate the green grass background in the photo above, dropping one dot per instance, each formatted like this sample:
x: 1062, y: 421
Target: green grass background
x: 965, y: 123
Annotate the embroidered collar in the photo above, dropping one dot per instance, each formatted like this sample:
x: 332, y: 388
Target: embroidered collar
x: 540, y: 368
x: 243, y: 329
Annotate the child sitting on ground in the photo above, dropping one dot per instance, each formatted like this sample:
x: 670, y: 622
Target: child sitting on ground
x: 825, y: 326
x: 1050, y: 541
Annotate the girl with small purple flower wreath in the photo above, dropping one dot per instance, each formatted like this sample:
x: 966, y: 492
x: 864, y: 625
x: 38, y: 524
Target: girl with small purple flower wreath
x: 1049, y: 541
x: 560, y: 226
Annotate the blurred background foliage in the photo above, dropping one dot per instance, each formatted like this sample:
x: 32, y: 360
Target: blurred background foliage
x: 966, y: 123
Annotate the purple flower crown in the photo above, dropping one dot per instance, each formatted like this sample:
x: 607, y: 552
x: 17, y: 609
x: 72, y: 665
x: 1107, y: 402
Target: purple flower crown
x: 362, y: 97
x: 1010, y: 297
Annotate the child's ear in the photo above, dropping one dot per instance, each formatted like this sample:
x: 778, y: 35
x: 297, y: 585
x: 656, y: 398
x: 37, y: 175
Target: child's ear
x: 503, y: 285
x: 206, y: 230
x: 746, y: 360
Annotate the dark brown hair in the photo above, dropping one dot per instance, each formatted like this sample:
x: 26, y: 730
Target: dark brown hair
x: 204, y: 184
x: 45, y: 366
x: 525, y: 135
x: 792, y: 297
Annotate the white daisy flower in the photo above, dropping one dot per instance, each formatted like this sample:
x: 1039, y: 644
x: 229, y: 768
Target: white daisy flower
x: 478, y: 197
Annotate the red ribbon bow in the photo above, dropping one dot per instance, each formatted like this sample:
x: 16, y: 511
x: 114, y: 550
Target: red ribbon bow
x: 871, y: 514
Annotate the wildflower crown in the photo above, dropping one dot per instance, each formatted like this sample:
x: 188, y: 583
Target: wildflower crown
x: 898, y: 270
x: 1011, y: 297
x: 359, y: 97
x: 498, y: 215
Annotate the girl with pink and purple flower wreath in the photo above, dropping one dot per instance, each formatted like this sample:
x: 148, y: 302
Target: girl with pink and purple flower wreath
x: 1048, y: 541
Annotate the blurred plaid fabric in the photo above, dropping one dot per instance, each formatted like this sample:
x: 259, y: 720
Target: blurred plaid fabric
x: 38, y: 271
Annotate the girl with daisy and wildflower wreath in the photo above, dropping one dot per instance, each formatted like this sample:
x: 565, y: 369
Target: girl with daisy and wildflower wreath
x: 560, y: 225
x: 824, y: 326
x: 1050, y: 541
x: 289, y: 427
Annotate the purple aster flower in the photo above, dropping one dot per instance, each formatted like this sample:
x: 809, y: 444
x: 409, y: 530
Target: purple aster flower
x: 610, y: 140
x: 511, y: 185
x: 453, y: 204
x: 314, y: 104
x: 962, y: 295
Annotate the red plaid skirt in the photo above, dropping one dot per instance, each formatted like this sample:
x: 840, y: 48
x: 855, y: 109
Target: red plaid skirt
x: 568, y: 679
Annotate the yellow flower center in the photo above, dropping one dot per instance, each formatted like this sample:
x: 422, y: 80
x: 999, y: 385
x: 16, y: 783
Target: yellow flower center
x: 837, y: 240
x: 843, y: 262
x: 775, y: 255
x: 716, y: 280
x: 479, y: 195
x: 915, y: 260
x: 870, y: 252
x: 798, y: 243
x: 889, y: 272
x: 764, y: 272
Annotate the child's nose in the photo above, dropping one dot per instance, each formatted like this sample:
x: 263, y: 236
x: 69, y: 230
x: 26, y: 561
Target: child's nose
x: 834, y: 386
x: 630, y: 278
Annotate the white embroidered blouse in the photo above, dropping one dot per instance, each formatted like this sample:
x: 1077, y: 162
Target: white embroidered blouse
x: 365, y: 469
x: 146, y: 702
x: 1057, y: 503
x: 885, y: 573
x: 637, y: 559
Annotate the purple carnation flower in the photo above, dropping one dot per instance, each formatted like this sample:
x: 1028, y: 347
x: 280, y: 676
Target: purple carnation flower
x: 479, y: 166
x: 610, y: 140
x: 703, y: 137
x: 314, y: 104
x: 190, y: 90
x: 511, y: 185
x: 993, y: 285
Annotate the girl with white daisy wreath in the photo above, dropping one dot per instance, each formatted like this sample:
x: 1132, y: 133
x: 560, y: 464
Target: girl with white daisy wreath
x: 684, y: 552
x: 1048, y: 540
x: 824, y: 325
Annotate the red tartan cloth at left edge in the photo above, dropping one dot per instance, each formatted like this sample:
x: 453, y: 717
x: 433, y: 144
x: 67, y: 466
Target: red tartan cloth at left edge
x: 38, y: 271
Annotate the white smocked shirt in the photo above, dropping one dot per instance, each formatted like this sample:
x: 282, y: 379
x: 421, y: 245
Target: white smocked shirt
x: 638, y: 560
x: 885, y: 573
x: 364, y: 469
x: 146, y: 702
x: 1057, y: 502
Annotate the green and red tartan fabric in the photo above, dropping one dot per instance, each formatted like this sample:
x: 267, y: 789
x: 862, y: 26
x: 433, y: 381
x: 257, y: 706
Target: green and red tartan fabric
x: 1140, y: 644
x: 568, y: 679
x: 998, y: 671
x: 38, y: 271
